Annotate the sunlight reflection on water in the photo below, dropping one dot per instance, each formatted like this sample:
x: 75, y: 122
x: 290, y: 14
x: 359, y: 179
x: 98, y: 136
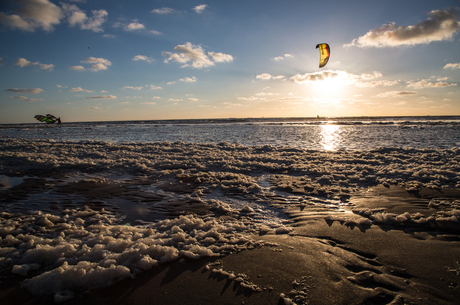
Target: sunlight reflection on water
x: 326, y: 136
x: 330, y: 137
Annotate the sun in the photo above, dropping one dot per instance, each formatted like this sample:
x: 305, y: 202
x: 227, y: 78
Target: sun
x: 330, y: 87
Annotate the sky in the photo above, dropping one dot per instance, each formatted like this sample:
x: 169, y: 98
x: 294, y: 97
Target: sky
x: 110, y: 60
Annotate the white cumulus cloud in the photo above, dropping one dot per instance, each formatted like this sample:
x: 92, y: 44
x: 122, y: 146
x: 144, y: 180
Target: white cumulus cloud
x: 267, y: 76
x: 142, y: 57
x: 79, y: 89
x: 22, y: 62
x: 441, y: 25
x: 200, y: 8
x: 428, y: 84
x: 133, y: 88
x: 32, y: 14
x: 221, y: 57
x: 134, y: 26
x: 77, y: 17
x: 279, y: 58
x: 188, y: 79
x: 195, y: 56
x: 77, y: 68
x: 452, y: 66
x: 98, y: 64
x: 164, y: 11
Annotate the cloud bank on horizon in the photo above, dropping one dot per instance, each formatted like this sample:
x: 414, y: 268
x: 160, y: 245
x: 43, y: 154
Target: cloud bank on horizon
x: 218, y: 59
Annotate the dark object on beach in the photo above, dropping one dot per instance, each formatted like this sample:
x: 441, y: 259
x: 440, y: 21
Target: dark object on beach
x: 48, y: 119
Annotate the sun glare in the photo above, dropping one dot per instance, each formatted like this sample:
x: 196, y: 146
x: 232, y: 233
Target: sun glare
x: 329, y: 87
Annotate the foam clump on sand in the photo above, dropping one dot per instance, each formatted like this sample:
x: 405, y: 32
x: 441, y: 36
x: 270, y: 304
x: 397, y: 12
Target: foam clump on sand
x: 408, y: 167
x: 380, y: 216
x: 82, y: 249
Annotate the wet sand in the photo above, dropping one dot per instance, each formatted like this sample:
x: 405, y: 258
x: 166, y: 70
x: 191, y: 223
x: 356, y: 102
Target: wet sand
x: 323, y: 261
x: 243, y: 225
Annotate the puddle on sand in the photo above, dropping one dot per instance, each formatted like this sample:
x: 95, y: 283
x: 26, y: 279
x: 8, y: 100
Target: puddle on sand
x: 9, y: 182
x: 135, y: 213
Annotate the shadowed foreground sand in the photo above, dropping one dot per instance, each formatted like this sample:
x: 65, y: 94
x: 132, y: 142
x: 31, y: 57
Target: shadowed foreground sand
x: 178, y: 223
x: 323, y: 261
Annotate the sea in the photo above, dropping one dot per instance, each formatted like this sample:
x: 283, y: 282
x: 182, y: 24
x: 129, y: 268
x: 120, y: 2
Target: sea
x: 324, y: 134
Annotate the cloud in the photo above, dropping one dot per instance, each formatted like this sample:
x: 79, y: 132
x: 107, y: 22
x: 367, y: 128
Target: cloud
x: 441, y: 25
x: 98, y: 64
x: 364, y: 80
x: 97, y: 60
x: 101, y: 97
x: 194, y: 56
x: 134, y: 26
x: 153, y: 87
x: 200, y: 8
x: 266, y: 94
x: 369, y: 76
x: 380, y: 83
x: 93, y: 107
x: 174, y: 100
x: 22, y: 62
x: 31, y: 100
x: 79, y: 89
x: 78, y: 68
x: 452, y: 66
x: 279, y: 58
x: 251, y: 98
x: 77, y: 17
x: 188, y: 79
x: 220, y: 57
x: 148, y: 103
x: 318, y: 76
x: 1, y: 61
x: 164, y: 11
x: 33, y: 90
x: 131, y: 87
x: 396, y: 93
x: 143, y: 57
x: 192, y: 99
x: 427, y: 84
x: 266, y: 76
x: 32, y: 14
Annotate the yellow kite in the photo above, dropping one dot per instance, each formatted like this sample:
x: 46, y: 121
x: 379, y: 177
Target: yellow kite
x: 324, y: 52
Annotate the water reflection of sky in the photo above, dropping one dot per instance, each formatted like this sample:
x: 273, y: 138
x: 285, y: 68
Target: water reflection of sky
x: 330, y: 137
x: 9, y: 182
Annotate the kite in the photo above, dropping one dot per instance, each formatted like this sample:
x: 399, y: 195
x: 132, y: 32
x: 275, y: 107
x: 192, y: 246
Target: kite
x: 324, y: 52
x: 48, y: 119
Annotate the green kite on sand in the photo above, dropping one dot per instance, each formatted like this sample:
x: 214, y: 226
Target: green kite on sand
x: 48, y: 119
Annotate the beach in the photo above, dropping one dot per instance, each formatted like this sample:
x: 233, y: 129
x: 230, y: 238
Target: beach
x: 97, y: 222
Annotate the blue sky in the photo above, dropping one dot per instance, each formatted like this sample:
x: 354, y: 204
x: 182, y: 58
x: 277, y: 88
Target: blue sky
x: 138, y: 60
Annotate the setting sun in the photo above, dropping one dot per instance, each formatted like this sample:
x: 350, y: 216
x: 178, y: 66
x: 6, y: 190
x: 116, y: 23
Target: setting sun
x: 330, y: 87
